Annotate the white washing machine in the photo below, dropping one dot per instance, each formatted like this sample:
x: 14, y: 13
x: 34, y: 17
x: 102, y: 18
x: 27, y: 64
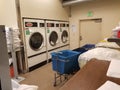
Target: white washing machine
x: 35, y: 41
x: 64, y: 35
x: 53, y: 42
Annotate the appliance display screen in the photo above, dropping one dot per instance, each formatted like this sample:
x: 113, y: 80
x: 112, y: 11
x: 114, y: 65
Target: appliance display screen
x: 57, y: 25
x: 62, y: 25
x: 50, y: 24
x: 31, y: 24
x: 42, y: 25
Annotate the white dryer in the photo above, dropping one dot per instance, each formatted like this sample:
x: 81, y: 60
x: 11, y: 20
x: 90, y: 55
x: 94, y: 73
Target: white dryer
x: 52, y: 28
x: 35, y: 41
x: 64, y: 35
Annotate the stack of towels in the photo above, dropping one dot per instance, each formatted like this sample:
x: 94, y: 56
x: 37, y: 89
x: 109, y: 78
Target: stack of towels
x: 113, y: 71
x: 12, y: 34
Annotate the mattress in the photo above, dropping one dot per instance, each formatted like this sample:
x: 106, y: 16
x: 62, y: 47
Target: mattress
x: 90, y: 77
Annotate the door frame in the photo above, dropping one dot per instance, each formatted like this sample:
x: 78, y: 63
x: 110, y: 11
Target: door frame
x: 86, y: 20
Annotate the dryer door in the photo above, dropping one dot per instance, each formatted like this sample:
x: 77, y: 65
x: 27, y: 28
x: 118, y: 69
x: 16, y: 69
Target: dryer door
x: 64, y: 36
x: 36, y: 41
x: 53, y: 38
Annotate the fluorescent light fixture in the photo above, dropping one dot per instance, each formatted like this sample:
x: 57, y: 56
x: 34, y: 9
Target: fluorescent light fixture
x: 67, y: 3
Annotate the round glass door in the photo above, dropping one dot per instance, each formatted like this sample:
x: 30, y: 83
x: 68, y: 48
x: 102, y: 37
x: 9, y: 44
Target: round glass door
x: 64, y: 36
x: 36, y: 41
x: 53, y: 38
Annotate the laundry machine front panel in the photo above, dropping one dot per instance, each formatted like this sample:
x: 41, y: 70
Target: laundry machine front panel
x: 35, y: 41
x: 34, y: 36
x: 64, y: 33
x: 52, y: 35
x: 37, y: 59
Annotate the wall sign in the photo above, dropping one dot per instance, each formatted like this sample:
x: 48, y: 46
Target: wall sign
x: 73, y: 28
x: 90, y: 14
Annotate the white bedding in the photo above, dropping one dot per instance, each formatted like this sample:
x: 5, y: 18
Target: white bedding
x: 108, y: 45
x: 99, y: 53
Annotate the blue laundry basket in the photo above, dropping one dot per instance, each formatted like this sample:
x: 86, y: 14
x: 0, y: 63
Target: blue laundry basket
x: 88, y: 46
x: 85, y: 48
x: 65, y: 62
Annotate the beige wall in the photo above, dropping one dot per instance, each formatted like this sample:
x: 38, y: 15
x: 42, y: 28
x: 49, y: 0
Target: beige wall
x: 8, y: 13
x: 108, y: 10
x: 45, y: 9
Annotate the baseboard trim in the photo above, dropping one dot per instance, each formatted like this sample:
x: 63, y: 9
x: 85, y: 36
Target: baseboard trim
x: 37, y: 66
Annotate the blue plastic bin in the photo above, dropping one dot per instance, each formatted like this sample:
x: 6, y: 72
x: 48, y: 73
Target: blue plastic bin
x: 65, y: 62
x: 85, y: 48
x: 82, y: 50
x: 88, y: 46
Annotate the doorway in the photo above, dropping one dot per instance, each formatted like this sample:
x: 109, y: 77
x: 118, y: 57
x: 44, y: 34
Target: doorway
x: 90, y: 31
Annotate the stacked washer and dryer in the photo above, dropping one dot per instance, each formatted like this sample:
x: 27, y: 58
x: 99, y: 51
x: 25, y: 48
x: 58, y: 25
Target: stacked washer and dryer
x: 42, y: 37
x: 35, y: 41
